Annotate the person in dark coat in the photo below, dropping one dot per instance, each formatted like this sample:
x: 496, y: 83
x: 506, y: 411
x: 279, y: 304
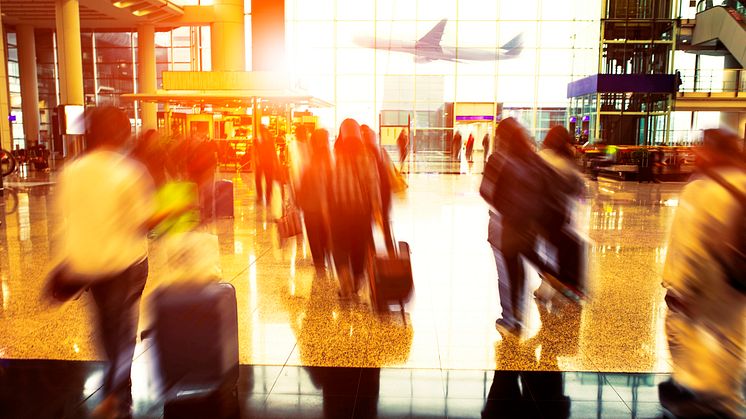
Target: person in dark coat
x: 456, y: 146
x: 266, y: 165
x: 486, y: 146
x: 403, y: 143
x: 512, y: 232
x: 313, y: 199
x: 384, y: 183
x: 470, y: 148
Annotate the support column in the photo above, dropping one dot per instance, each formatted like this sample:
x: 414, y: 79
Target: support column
x: 227, y: 36
x: 734, y: 121
x: 71, y: 60
x: 29, y: 84
x: 268, y: 35
x: 71, y: 66
x: 146, y: 75
x: 5, y: 138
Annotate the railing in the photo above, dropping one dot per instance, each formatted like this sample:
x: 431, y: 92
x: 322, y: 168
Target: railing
x: 729, y: 80
x: 733, y: 4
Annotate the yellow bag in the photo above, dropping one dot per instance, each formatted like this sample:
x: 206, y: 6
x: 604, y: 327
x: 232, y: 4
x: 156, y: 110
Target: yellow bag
x: 177, y: 195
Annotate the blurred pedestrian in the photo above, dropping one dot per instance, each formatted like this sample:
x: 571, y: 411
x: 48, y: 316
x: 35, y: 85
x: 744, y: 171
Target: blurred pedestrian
x: 403, y: 143
x: 355, y: 200
x: 703, y: 276
x: 313, y: 199
x: 517, y: 199
x: 486, y: 145
x: 105, y: 200
x: 456, y: 146
x: 470, y: 148
x: 567, y: 187
x: 150, y: 152
x: 201, y: 167
x: 383, y: 218
x: 266, y: 164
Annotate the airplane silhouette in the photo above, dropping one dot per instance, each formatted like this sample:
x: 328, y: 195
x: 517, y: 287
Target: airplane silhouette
x: 428, y: 48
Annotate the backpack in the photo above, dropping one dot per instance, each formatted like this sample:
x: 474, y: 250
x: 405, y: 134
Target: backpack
x: 734, y: 258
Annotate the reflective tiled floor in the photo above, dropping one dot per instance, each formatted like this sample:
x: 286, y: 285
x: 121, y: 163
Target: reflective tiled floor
x: 288, y: 319
x: 70, y: 389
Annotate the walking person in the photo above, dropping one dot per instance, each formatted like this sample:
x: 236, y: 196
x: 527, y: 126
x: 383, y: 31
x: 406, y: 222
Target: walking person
x: 105, y: 199
x: 704, y: 278
x: 486, y: 146
x: 313, y: 199
x: 470, y: 148
x: 513, y: 228
x: 403, y: 143
x: 266, y: 164
x: 456, y: 146
x: 355, y: 200
x: 556, y: 224
x: 383, y: 218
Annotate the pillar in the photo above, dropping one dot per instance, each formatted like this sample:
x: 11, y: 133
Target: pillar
x: 227, y: 36
x: 29, y: 84
x: 146, y: 74
x: 734, y: 121
x: 5, y: 138
x: 70, y: 59
x: 69, y: 52
x: 268, y: 35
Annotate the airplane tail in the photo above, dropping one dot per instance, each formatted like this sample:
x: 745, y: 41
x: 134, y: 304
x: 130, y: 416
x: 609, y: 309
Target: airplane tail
x: 433, y: 37
x: 513, y: 47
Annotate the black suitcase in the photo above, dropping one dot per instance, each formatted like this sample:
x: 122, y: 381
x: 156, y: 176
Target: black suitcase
x: 393, y: 282
x: 196, y: 339
x: 223, y: 199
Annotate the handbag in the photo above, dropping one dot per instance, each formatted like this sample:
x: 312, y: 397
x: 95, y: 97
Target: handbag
x: 289, y: 224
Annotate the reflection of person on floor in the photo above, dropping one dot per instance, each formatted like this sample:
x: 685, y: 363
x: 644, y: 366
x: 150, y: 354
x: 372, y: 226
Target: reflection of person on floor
x: 706, y: 302
x: 336, y: 384
x: 514, y: 393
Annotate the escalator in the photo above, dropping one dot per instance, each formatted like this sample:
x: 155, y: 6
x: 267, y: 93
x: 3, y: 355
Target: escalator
x: 723, y: 24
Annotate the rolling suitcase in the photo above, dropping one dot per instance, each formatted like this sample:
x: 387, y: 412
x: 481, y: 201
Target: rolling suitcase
x: 393, y: 279
x: 223, y: 199
x: 196, y: 339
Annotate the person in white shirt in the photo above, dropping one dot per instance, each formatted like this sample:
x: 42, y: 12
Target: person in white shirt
x: 105, y: 201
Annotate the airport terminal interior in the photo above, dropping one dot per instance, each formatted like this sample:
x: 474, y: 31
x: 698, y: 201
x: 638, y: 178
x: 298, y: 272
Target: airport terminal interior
x: 621, y: 75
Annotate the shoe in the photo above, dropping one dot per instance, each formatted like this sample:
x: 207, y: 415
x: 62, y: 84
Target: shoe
x: 545, y: 293
x: 507, y: 328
